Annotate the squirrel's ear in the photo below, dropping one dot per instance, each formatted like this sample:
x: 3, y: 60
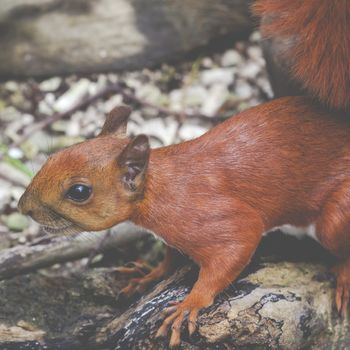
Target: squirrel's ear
x: 133, y: 162
x: 116, y: 122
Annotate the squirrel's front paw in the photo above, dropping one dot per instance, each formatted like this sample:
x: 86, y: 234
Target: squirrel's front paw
x: 188, y: 309
x: 139, y: 267
x: 139, y: 284
x: 135, y: 285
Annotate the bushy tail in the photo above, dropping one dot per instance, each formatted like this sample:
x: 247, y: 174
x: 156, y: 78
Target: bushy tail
x: 318, y: 50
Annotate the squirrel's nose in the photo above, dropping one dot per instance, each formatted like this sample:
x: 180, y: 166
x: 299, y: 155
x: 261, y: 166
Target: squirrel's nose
x: 23, y: 206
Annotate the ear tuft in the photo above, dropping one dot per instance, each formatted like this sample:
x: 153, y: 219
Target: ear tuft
x: 116, y: 122
x: 133, y: 162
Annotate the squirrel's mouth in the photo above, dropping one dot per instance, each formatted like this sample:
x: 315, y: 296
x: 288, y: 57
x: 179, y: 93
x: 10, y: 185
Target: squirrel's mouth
x: 66, y: 229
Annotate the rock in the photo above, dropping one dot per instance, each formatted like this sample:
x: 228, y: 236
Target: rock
x: 217, y: 96
x: 149, y: 93
x: 189, y: 131
x: 16, y: 221
x: 51, y: 84
x: 61, y: 126
x: 11, y: 86
x: 3, y: 105
x: 73, y: 128
x: 5, y: 240
x: 242, y: 89
x: 13, y: 129
x: 112, y: 102
x: 73, y: 96
x: 9, y: 114
x: 101, y: 84
x: 12, y: 173
x: 15, y: 153
x: 39, y: 141
x: 250, y: 70
x: 43, y: 142
x: 29, y: 149
x: 87, y: 123
x: 231, y: 58
x: 255, y: 37
x: 255, y: 53
x: 265, y: 85
x: 223, y: 76
x: 207, y: 62
x: 19, y: 333
x: 164, y: 129
x: 59, y: 142
x: 50, y: 38
x: 189, y: 96
x: 19, y: 101
x: 16, y: 192
x: 46, y: 105
x: 5, y: 194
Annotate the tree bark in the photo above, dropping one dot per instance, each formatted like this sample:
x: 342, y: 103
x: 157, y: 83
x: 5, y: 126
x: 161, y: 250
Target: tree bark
x: 52, y: 37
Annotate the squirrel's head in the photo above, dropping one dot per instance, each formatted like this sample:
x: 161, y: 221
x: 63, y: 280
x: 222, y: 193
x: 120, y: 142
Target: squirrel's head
x: 92, y: 185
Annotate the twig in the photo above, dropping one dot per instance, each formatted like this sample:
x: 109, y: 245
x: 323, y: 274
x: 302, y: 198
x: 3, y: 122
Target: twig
x: 23, y: 259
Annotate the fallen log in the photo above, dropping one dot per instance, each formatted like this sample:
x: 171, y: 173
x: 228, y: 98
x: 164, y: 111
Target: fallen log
x: 279, y: 306
x: 274, y: 305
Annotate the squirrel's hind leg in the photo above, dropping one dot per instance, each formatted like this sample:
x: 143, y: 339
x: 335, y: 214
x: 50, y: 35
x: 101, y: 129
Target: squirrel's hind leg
x: 333, y: 232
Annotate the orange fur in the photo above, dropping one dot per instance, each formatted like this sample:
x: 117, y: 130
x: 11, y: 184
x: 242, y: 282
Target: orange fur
x: 312, y: 39
x: 283, y: 162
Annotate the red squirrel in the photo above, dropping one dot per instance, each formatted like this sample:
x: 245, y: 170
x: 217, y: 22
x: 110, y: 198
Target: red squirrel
x: 307, y: 48
x: 212, y: 198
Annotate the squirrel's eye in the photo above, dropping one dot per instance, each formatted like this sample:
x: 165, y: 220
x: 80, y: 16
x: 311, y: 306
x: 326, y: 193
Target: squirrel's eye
x: 79, y: 193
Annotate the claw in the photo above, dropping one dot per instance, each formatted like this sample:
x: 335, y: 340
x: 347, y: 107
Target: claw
x: 192, y: 321
x: 178, y: 313
x: 169, y: 310
x: 131, y: 288
x: 338, y: 298
x: 342, y: 289
x: 139, y: 284
x: 175, y: 338
x: 139, y: 267
x: 342, y: 300
x: 163, y: 329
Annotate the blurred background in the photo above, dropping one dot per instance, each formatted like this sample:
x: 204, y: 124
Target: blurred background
x: 183, y: 66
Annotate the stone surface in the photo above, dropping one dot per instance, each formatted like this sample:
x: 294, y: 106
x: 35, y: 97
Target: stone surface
x: 51, y: 37
x: 16, y: 221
